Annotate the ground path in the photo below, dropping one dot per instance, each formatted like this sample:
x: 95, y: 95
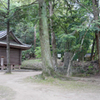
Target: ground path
x: 12, y: 87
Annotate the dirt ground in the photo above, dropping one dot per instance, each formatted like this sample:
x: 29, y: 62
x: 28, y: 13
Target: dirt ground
x: 13, y: 87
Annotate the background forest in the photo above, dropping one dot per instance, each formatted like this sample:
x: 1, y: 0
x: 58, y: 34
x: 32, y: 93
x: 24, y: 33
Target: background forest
x: 73, y: 29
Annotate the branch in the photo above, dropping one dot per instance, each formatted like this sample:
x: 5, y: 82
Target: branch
x: 82, y: 41
x: 81, y: 24
x: 3, y: 4
x: 26, y: 5
x: 60, y: 24
x: 73, y: 32
x: 77, y: 1
x: 83, y: 6
x: 68, y: 6
x: 29, y: 4
x: 2, y: 14
x: 18, y: 9
x: 69, y: 65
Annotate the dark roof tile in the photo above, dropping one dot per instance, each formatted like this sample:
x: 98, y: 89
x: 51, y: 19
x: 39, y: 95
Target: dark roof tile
x: 15, y: 44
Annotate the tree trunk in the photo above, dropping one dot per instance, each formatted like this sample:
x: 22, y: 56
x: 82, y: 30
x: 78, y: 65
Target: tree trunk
x: 44, y: 39
x: 92, y: 50
x: 34, y: 37
x: 69, y: 70
x: 53, y: 40
x: 67, y: 57
x: 8, y: 41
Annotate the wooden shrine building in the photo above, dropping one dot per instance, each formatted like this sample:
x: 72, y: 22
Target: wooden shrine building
x: 16, y: 47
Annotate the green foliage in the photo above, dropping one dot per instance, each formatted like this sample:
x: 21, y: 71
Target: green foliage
x: 33, y: 64
x: 38, y: 52
x: 90, y: 67
x: 66, y: 37
x: 76, y: 47
x: 28, y: 53
x: 90, y: 70
x: 25, y: 32
x: 85, y: 69
x: 67, y: 18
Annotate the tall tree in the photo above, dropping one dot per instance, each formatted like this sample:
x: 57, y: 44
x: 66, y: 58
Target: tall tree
x: 91, y: 7
x: 6, y: 19
x: 97, y: 32
x: 53, y: 40
x: 8, y: 39
x: 44, y: 39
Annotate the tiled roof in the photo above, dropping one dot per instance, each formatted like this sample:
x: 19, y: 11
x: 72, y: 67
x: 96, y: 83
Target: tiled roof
x: 2, y: 34
x: 15, y: 44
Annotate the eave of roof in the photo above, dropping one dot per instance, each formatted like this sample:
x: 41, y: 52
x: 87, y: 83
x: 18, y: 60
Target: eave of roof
x: 18, y: 44
x: 23, y: 47
x: 3, y: 34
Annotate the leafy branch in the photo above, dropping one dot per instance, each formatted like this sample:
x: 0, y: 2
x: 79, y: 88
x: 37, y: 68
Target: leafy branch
x: 77, y: 1
x: 3, y: 5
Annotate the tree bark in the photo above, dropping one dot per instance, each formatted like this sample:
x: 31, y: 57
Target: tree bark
x: 34, y: 37
x: 67, y: 57
x: 92, y: 49
x: 8, y: 41
x: 44, y: 39
x: 69, y: 69
x: 53, y: 40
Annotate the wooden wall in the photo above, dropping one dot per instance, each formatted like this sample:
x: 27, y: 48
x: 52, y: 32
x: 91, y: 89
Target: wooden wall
x: 15, y: 55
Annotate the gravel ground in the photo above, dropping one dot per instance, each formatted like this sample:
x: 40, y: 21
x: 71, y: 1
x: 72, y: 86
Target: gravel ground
x: 13, y: 87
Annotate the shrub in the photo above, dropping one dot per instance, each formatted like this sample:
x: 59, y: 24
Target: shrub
x: 33, y: 64
x: 27, y: 54
x: 38, y: 52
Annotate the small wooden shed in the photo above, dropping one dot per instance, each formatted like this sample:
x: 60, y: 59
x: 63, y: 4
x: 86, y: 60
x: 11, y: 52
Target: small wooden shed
x: 16, y: 47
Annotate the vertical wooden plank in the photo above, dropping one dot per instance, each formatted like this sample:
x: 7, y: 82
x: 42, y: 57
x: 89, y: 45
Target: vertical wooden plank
x: 20, y: 57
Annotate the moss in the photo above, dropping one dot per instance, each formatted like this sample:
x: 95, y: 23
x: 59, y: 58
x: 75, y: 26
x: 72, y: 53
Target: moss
x: 65, y: 84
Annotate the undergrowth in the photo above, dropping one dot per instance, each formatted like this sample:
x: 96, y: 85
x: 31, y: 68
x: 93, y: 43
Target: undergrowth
x: 61, y: 83
x: 33, y: 64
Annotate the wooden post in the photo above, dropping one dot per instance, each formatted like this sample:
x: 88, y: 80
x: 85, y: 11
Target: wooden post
x: 19, y: 67
x: 2, y: 63
x: 11, y: 67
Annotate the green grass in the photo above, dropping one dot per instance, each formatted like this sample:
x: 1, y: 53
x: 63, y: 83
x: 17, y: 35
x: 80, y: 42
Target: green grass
x: 34, y: 64
x: 64, y: 84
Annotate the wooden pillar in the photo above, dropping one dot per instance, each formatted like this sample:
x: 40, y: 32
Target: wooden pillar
x: 2, y: 63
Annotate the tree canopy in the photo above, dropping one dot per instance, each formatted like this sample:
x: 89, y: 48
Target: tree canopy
x: 71, y: 25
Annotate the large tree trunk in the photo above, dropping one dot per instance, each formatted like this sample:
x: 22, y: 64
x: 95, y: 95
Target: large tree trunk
x: 44, y: 39
x: 8, y: 41
x: 53, y: 40
x: 97, y: 34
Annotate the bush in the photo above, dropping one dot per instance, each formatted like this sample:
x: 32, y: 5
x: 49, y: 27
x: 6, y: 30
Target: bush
x: 27, y: 54
x: 85, y: 68
x: 33, y: 64
x: 38, y: 52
